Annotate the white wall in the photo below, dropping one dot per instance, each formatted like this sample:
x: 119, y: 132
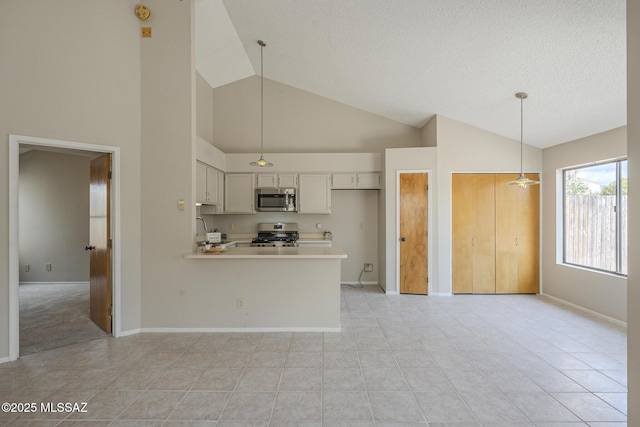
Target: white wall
x: 57, y: 84
x: 54, y: 216
x: 633, y: 154
x: 297, y: 121
x: 168, y: 161
x: 204, y: 109
x: 600, y: 292
x: 353, y: 222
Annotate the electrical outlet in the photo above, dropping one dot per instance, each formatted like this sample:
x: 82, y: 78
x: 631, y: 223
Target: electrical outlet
x: 180, y: 205
x: 47, y: 266
x: 27, y: 268
x: 240, y: 303
x: 368, y: 267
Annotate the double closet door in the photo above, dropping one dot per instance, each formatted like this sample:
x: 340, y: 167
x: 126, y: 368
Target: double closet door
x: 495, y: 235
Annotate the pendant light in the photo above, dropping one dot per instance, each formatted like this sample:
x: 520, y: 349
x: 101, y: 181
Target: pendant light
x: 261, y: 162
x: 522, y: 181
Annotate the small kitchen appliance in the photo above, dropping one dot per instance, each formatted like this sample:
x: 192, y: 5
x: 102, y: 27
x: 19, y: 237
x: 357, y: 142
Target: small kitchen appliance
x: 276, y: 235
x: 276, y: 199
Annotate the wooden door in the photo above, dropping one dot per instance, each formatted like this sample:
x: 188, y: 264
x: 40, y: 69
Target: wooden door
x: 413, y: 233
x: 461, y: 233
x: 99, y: 245
x: 484, y: 232
x: 507, y: 215
x: 473, y: 233
x: 529, y: 238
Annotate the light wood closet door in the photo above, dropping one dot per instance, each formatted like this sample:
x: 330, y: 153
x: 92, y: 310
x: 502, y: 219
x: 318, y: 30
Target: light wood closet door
x: 507, y: 212
x: 473, y: 233
x: 517, y: 236
x: 529, y: 238
x: 484, y: 234
x: 461, y: 234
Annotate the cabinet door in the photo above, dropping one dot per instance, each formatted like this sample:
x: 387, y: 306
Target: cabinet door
x: 288, y: 180
x: 343, y: 180
x: 220, y: 204
x: 368, y: 180
x: 212, y: 185
x: 314, y: 195
x: 239, y: 193
x: 201, y: 183
x: 267, y: 180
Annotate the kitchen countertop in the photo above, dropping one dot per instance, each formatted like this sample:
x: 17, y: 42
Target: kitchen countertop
x: 273, y: 253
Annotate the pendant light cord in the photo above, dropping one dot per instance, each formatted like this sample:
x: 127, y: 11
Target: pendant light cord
x: 261, y: 99
x: 521, y: 131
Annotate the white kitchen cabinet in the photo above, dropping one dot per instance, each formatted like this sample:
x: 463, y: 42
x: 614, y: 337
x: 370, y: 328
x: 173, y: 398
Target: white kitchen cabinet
x: 368, y: 180
x: 355, y: 180
x: 314, y: 193
x: 267, y: 180
x: 275, y: 180
x: 209, y: 186
x: 239, y: 193
x: 288, y: 180
x: 343, y: 180
x: 201, y: 183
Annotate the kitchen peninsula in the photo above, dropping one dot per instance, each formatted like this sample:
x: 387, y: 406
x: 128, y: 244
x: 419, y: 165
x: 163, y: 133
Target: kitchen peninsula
x: 268, y: 289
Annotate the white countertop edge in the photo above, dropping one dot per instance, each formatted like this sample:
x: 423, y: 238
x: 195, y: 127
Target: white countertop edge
x: 274, y: 253
x: 247, y: 329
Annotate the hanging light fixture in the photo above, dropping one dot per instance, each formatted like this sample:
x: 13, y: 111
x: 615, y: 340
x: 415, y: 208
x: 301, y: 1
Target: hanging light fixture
x: 261, y: 162
x: 522, y: 181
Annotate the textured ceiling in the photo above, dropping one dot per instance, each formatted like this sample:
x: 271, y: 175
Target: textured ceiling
x: 410, y: 59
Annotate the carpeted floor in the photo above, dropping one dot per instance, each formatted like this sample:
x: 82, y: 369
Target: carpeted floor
x: 54, y: 315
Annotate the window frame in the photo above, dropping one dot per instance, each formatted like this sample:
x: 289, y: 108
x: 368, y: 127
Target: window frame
x: 618, y: 216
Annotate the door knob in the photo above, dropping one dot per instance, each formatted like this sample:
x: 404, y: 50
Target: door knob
x: 403, y: 239
x: 89, y: 248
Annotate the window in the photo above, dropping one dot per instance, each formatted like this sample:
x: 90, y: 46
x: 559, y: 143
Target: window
x: 595, y: 216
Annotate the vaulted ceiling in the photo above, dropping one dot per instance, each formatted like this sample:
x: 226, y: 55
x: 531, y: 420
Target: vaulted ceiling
x: 408, y: 60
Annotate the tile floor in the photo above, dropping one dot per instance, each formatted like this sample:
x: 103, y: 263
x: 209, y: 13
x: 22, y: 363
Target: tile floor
x: 508, y: 360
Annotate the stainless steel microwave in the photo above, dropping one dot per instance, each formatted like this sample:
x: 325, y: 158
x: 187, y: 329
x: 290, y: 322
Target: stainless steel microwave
x: 276, y: 200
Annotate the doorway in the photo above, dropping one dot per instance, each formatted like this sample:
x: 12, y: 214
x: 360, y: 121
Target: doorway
x: 413, y: 226
x: 21, y: 143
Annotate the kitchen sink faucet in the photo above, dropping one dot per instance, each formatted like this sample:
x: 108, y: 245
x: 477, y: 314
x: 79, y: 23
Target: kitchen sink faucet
x: 206, y: 230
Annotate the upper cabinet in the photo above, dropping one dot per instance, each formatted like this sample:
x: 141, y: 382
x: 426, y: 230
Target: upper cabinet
x: 356, y: 180
x: 314, y: 194
x: 239, y: 193
x: 275, y: 180
x: 209, y: 186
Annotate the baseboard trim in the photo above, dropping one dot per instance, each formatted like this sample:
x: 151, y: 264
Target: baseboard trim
x: 209, y: 330
x: 586, y: 310
x: 441, y: 294
x: 4, y: 360
x: 53, y: 283
x: 129, y: 332
x: 358, y: 283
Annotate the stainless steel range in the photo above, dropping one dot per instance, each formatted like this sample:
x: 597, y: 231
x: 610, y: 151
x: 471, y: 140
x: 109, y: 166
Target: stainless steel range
x: 276, y: 235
